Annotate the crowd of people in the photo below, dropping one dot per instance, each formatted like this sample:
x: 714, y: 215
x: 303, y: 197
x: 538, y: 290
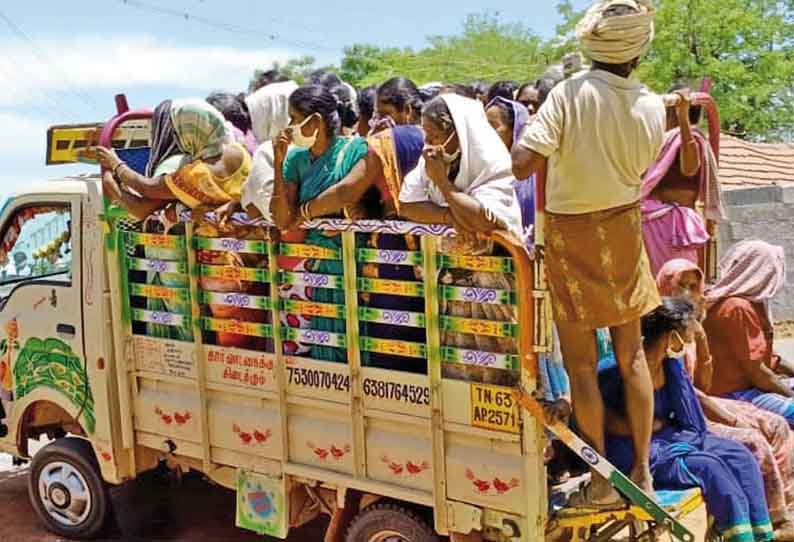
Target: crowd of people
x: 685, y: 392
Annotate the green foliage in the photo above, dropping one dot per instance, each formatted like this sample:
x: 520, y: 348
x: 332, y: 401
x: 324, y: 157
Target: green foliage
x: 745, y: 46
x: 488, y: 49
x: 297, y: 69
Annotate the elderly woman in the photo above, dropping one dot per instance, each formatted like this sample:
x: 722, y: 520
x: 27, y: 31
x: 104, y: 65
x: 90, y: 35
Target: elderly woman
x: 193, y: 161
x: 739, y: 327
x: 684, y: 173
x: 464, y: 180
x: 321, y: 158
x: 766, y: 435
x: 684, y: 454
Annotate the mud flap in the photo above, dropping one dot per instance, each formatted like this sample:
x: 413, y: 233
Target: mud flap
x: 262, y: 504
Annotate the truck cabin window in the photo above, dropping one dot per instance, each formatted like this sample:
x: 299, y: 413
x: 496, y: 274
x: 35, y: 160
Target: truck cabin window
x: 35, y: 244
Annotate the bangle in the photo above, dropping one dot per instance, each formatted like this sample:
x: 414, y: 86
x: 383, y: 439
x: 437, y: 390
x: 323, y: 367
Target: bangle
x: 115, y: 170
x: 304, y: 209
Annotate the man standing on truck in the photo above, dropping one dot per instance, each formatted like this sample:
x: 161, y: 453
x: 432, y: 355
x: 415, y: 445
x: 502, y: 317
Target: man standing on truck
x: 600, y: 131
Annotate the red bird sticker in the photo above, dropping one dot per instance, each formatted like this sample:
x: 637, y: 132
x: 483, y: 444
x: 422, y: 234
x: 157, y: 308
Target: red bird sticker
x: 252, y: 438
x: 404, y: 469
x: 493, y: 487
x: 331, y: 453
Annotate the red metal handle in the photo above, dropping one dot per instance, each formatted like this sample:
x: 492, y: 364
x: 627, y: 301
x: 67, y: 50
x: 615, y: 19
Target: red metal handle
x: 124, y: 115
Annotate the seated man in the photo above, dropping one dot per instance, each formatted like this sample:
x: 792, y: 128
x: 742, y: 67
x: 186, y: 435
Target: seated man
x: 740, y: 330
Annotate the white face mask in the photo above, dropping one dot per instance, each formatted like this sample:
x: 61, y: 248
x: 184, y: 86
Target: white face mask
x: 445, y: 156
x: 300, y: 140
x: 671, y: 352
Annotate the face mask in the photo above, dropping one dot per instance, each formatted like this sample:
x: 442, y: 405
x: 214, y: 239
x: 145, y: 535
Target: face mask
x: 445, y: 156
x: 671, y: 353
x: 300, y: 140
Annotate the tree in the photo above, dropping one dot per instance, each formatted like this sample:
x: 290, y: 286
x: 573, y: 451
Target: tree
x: 488, y: 49
x: 297, y: 69
x: 745, y: 46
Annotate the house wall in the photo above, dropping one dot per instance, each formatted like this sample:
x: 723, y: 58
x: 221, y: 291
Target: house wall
x: 765, y: 213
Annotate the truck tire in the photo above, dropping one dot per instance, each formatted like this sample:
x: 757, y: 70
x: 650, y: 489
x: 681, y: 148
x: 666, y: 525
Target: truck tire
x: 385, y: 522
x: 66, y: 489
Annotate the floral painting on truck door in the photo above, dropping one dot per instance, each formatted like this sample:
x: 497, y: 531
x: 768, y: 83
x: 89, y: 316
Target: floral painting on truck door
x: 51, y: 363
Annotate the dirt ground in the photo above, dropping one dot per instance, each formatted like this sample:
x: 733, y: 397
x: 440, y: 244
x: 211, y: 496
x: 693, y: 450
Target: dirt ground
x: 205, y: 514
x: 784, y: 330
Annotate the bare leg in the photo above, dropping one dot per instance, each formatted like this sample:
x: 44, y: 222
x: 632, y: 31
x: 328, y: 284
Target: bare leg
x: 580, y: 356
x: 627, y: 343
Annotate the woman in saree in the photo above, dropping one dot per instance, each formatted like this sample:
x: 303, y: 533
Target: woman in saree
x: 766, y: 435
x: 464, y: 180
x: 509, y: 118
x: 685, y: 172
x: 398, y: 104
x: 740, y: 330
x: 321, y: 158
x: 194, y: 164
x: 392, y: 153
x: 684, y: 454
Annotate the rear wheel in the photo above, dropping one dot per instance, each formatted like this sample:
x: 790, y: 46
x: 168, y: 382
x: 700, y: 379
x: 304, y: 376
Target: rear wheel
x: 389, y: 523
x: 67, y: 490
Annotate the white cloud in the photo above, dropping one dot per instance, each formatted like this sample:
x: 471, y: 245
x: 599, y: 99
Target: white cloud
x: 24, y: 154
x: 121, y: 64
x: 29, y: 133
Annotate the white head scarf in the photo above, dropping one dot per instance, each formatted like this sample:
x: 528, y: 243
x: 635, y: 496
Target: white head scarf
x: 485, y: 166
x: 269, y: 109
x: 620, y: 38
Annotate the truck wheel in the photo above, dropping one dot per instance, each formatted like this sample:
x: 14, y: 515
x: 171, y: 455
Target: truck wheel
x: 67, y: 490
x: 389, y: 523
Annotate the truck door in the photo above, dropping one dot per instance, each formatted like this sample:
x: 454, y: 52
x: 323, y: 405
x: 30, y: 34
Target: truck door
x: 41, y: 336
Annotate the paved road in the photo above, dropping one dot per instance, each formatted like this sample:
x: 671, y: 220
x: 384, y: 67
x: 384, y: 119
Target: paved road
x: 205, y: 514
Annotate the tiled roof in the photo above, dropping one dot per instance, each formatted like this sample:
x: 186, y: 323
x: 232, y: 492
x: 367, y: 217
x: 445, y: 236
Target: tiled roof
x: 745, y: 165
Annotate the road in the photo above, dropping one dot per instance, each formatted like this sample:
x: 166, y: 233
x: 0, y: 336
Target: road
x: 206, y: 514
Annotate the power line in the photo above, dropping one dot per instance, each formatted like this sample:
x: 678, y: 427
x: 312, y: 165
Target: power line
x: 43, y: 101
x: 39, y: 52
x: 228, y: 27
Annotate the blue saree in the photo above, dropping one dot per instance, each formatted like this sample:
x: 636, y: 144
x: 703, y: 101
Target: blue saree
x: 685, y: 455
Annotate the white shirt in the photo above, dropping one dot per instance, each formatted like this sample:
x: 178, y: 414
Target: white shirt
x: 600, y: 132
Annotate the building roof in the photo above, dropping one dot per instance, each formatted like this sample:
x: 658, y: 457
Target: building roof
x: 746, y: 165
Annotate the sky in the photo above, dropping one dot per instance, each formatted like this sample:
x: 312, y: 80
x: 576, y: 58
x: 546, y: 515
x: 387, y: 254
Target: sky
x: 62, y: 63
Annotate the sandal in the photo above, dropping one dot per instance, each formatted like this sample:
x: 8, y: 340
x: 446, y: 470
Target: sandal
x: 584, y: 499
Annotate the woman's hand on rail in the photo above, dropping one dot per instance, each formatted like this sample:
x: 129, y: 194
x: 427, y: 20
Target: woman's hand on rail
x: 227, y: 211
x: 107, y: 158
x: 684, y: 102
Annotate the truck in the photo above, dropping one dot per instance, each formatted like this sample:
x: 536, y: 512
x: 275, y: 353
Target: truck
x: 118, y: 345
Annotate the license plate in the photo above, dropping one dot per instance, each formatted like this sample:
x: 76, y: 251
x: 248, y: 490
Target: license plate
x: 494, y: 408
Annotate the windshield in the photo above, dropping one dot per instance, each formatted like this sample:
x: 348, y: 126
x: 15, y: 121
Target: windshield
x: 36, y: 244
